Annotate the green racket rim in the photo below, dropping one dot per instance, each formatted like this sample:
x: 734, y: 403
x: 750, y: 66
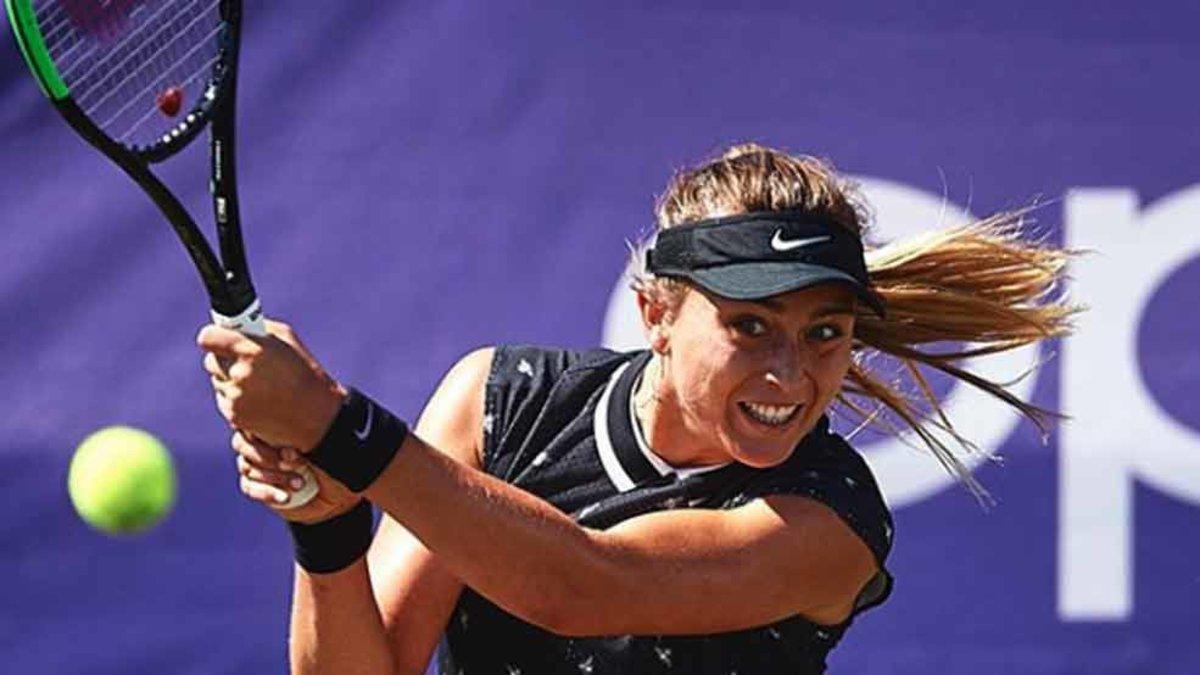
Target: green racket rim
x: 33, y: 47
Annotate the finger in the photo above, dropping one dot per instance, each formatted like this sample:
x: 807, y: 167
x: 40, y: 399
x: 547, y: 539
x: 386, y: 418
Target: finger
x: 226, y: 342
x: 239, y: 371
x: 278, y: 479
x: 223, y: 388
x: 259, y: 492
x: 213, y: 366
x: 259, y: 453
x: 224, y: 406
x: 286, y: 334
x: 278, y: 328
x: 292, y: 456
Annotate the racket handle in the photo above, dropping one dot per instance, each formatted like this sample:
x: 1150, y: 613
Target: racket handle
x: 250, y: 321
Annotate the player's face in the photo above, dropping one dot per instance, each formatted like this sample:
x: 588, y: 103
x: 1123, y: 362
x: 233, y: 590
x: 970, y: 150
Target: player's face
x: 755, y: 376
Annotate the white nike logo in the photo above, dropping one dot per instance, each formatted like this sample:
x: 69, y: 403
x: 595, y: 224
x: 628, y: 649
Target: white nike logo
x: 782, y: 245
x: 366, y: 429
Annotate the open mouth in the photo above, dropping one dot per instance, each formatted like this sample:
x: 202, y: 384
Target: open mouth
x: 769, y: 415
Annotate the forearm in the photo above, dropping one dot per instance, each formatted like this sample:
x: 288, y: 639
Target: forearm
x: 680, y: 572
x: 335, y: 624
x: 510, y: 546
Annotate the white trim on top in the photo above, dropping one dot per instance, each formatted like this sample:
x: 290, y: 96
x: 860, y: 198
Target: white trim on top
x: 608, y: 456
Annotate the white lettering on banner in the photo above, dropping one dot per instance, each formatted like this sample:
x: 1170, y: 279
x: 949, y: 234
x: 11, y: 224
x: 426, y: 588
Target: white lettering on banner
x: 1119, y: 433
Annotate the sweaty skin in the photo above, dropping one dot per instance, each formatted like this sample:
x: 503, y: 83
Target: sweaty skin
x: 718, y: 354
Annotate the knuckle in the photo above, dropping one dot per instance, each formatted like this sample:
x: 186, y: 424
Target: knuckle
x: 241, y: 371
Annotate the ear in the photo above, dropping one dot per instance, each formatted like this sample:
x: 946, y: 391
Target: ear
x: 655, y: 321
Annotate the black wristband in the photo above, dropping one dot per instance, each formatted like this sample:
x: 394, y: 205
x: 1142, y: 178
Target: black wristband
x: 334, y: 544
x: 360, y: 443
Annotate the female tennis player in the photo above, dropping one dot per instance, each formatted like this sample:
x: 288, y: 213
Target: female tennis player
x: 681, y: 509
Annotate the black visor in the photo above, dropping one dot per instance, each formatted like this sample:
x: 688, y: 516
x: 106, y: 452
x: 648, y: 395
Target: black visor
x: 756, y: 255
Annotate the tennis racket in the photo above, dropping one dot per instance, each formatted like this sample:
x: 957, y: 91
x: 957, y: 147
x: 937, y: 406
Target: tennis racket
x: 139, y: 80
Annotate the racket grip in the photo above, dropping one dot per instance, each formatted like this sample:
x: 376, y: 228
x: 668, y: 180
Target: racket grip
x: 250, y: 321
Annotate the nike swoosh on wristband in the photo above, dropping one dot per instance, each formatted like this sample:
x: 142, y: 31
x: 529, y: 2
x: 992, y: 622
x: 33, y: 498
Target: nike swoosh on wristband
x: 783, y: 245
x: 366, y: 429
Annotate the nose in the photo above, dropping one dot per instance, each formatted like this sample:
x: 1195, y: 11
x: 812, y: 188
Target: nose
x: 789, y: 368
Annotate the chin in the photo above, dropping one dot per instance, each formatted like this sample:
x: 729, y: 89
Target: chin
x: 760, y: 456
x: 760, y: 446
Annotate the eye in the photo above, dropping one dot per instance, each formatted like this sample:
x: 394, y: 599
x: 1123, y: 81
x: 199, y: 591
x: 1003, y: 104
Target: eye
x: 749, y: 326
x: 825, y: 332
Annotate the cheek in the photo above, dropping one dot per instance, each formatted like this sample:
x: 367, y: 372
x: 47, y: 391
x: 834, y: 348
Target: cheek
x: 830, y: 372
x: 705, y: 368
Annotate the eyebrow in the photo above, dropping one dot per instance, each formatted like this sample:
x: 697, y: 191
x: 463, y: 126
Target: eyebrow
x: 839, y: 308
x: 822, y: 311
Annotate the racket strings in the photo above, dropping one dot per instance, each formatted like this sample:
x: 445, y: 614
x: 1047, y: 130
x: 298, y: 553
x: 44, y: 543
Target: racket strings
x: 69, y: 73
x: 119, y: 56
x: 167, y: 79
x: 59, y: 26
x: 153, y: 112
x: 163, y: 37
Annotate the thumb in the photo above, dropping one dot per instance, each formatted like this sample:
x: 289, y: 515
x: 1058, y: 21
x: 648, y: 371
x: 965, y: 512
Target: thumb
x: 226, y: 342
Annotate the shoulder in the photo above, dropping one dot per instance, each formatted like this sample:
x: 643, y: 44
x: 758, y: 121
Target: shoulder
x: 453, y: 415
x: 471, y: 371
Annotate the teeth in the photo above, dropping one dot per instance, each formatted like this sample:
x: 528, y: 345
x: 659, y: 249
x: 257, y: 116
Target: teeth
x: 770, y: 414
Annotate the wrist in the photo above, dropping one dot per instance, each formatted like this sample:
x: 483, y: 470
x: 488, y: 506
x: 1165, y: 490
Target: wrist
x: 329, y: 403
x: 334, y: 544
x: 360, y: 441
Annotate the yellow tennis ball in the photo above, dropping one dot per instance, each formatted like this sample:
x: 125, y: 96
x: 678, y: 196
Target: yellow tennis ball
x: 121, y: 480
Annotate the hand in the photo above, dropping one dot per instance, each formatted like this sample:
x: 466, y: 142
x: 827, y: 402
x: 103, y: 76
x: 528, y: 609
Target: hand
x: 270, y: 387
x: 267, y: 474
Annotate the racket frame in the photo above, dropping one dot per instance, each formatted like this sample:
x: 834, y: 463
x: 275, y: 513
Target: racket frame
x: 227, y: 280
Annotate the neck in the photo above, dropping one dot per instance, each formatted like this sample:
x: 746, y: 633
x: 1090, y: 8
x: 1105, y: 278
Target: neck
x: 662, y: 425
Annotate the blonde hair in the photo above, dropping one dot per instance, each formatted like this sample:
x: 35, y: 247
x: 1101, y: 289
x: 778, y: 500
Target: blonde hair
x: 982, y: 286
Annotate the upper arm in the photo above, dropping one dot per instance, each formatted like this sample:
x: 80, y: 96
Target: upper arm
x: 702, y: 571
x: 414, y: 591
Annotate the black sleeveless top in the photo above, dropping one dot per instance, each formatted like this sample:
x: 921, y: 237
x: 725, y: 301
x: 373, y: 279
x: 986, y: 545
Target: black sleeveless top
x: 558, y: 424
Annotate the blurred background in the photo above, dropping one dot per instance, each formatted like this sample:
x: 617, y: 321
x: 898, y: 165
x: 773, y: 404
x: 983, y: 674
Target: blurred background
x: 419, y: 179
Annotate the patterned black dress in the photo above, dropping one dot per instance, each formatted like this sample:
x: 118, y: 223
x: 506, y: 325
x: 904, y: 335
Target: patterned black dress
x: 559, y: 424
